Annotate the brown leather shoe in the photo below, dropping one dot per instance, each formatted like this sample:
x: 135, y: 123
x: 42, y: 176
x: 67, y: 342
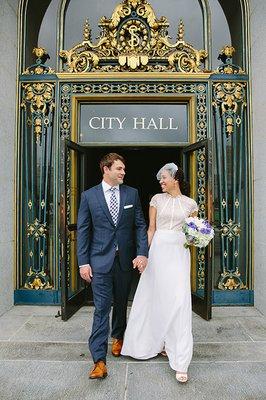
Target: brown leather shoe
x: 99, y: 371
x: 117, y: 347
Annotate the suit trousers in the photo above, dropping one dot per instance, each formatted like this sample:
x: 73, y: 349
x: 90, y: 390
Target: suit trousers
x: 107, y: 287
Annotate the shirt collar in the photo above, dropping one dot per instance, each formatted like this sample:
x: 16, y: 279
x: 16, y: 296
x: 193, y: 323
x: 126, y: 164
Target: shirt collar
x: 107, y: 187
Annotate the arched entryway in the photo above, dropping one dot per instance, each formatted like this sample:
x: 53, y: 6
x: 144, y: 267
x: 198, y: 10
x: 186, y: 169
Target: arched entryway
x: 219, y: 110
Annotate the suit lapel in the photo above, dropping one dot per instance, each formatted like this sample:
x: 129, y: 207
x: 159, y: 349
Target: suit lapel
x: 123, y: 196
x: 103, y: 203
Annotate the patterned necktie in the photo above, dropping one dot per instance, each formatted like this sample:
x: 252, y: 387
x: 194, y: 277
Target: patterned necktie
x: 113, y: 206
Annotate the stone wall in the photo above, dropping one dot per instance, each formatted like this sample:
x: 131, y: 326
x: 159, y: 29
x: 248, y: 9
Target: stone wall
x: 8, y: 51
x: 258, y: 71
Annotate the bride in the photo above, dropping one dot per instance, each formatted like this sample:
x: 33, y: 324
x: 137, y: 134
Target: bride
x: 161, y: 317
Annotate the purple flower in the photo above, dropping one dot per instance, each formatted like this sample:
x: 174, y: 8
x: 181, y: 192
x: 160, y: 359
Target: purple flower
x: 205, y: 231
x: 192, y: 225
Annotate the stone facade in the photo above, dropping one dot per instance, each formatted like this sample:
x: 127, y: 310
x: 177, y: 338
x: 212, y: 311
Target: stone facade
x: 258, y: 73
x: 8, y: 50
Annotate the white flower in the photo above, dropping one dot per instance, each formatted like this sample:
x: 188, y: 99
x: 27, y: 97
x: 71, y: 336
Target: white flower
x: 197, y: 233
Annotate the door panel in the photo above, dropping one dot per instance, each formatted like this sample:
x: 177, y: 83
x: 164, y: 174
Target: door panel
x: 197, y: 170
x: 74, y: 291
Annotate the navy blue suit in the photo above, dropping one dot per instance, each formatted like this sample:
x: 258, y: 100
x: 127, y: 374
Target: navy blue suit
x: 98, y: 239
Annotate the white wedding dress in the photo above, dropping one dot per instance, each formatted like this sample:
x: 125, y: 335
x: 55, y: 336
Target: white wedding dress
x: 161, y: 315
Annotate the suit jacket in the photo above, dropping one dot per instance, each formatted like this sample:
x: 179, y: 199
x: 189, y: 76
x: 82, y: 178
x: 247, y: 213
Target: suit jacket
x: 98, y: 237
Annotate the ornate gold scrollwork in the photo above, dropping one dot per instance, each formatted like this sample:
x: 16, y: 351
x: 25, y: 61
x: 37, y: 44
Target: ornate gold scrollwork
x: 230, y: 230
x: 133, y: 39
x: 38, y: 102
x: 82, y: 57
x: 40, y: 97
x: 229, y: 95
x: 39, y: 68
x: 226, y: 55
x: 231, y: 281
x: 37, y: 280
x: 187, y: 58
x: 37, y: 229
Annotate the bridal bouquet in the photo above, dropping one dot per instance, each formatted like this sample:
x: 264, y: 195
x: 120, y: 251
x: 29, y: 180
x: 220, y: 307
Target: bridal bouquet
x: 198, y: 232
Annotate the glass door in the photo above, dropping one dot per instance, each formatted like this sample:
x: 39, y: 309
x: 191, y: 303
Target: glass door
x: 74, y: 291
x: 197, y: 170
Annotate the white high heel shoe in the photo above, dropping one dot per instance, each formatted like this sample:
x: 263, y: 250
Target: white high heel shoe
x: 181, y: 377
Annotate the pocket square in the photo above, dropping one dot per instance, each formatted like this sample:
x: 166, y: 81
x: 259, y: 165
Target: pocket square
x: 129, y: 206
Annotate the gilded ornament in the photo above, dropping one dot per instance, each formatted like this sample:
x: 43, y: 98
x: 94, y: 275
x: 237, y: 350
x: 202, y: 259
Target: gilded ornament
x: 230, y: 229
x: 133, y: 39
x: 229, y: 125
x: 201, y: 88
x: 228, y: 51
x: 39, y: 52
x: 37, y: 281
x: 229, y: 95
x: 226, y: 55
x: 224, y: 204
x: 238, y: 121
x: 39, y: 95
x: 39, y: 68
x: 231, y: 281
x: 37, y: 229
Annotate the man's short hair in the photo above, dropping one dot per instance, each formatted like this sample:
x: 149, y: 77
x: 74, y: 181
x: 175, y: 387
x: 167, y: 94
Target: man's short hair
x: 109, y: 159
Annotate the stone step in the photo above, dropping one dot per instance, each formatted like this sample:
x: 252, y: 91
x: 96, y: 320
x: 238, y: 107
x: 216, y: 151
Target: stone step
x: 46, y: 380
x: 60, y: 351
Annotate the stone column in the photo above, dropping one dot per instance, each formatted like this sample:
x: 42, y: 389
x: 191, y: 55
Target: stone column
x: 258, y: 73
x: 8, y: 51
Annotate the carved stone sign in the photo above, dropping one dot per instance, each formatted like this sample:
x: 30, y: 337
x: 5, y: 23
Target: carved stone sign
x: 133, y: 123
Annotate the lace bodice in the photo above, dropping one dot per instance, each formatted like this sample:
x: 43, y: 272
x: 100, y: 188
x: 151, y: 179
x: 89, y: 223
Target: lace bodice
x: 171, y: 211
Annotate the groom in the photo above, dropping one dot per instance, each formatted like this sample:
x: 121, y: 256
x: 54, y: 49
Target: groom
x: 111, y: 232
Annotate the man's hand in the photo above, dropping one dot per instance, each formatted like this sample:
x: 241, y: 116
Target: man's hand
x: 86, y: 272
x: 140, y: 262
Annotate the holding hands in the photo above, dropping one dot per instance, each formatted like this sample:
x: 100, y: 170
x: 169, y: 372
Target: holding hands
x: 140, y: 262
x: 85, y: 272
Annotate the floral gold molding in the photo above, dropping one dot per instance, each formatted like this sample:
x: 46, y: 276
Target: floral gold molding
x: 226, y: 56
x: 39, y: 68
x: 133, y: 39
x: 40, y: 98
x: 37, y: 281
x: 231, y: 281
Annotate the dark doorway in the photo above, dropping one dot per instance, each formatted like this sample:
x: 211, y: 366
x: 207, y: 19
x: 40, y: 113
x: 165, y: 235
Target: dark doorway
x: 142, y: 165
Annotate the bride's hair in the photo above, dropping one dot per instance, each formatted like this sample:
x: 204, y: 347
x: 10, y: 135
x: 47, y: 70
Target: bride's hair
x: 184, y: 186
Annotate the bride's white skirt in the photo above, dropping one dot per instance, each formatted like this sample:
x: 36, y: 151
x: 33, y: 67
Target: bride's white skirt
x: 161, y: 315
